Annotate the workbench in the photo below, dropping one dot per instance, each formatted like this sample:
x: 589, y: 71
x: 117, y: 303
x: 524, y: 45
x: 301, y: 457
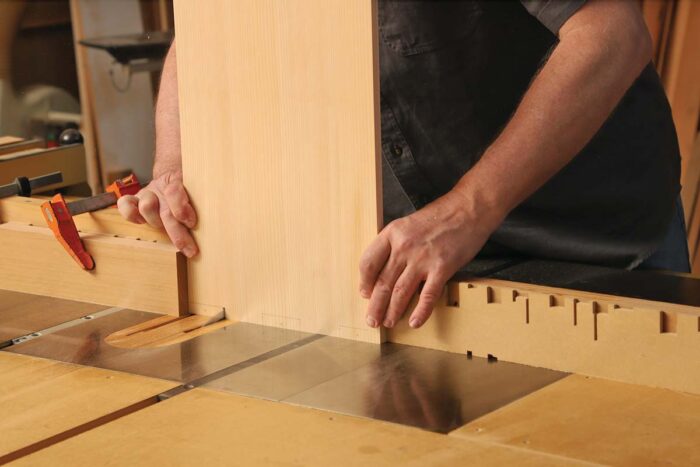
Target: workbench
x: 246, y: 394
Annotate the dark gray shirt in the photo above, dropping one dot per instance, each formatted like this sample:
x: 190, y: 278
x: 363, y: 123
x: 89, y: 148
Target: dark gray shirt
x: 452, y: 74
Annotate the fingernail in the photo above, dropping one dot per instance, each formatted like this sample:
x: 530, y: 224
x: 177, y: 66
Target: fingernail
x: 371, y: 322
x: 364, y: 293
x: 388, y: 323
x: 189, y: 251
x: 414, y: 323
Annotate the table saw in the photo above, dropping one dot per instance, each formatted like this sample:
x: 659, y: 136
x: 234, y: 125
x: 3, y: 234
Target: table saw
x: 246, y: 394
x: 256, y: 351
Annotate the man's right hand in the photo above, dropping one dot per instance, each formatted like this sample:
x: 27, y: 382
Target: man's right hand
x: 164, y: 204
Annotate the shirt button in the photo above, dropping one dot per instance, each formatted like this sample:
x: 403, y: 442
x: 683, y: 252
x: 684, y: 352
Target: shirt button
x: 397, y: 150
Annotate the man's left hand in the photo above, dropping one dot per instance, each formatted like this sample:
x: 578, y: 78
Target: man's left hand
x: 427, y: 246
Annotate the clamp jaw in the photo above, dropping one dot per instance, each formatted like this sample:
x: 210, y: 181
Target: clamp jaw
x: 59, y: 216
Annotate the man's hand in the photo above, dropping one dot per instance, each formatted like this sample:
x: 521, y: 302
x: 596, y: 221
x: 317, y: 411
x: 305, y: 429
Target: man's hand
x: 602, y: 49
x: 428, y: 246
x: 164, y: 203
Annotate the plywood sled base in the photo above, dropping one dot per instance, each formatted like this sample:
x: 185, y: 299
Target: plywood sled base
x: 129, y: 273
x: 629, y: 340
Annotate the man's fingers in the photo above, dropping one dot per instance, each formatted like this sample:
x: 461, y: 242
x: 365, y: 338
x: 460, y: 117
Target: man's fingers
x: 432, y: 290
x: 401, y: 295
x: 381, y: 293
x: 373, y: 260
x: 178, y: 233
x: 149, y: 208
x: 128, y: 206
x: 176, y: 197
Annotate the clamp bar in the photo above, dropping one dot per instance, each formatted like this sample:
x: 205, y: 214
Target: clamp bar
x: 24, y: 186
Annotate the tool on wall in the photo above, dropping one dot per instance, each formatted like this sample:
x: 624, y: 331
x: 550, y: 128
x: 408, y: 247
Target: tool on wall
x: 59, y: 216
x: 23, y: 186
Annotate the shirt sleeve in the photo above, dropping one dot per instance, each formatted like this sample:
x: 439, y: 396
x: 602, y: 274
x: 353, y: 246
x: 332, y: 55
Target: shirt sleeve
x: 552, y: 13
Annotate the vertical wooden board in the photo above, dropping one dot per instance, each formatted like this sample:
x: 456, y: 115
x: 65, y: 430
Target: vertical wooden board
x: 278, y: 103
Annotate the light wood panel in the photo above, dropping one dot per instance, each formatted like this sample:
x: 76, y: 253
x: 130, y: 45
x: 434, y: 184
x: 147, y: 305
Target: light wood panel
x: 69, y: 160
x: 87, y: 120
x: 41, y: 398
x: 628, y: 340
x: 9, y: 144
x: 134, y: 274
x: 106, y: 221
x: 598, y: 421
x: 5, y: 140
x: 204, y: 427
x: 165, y: 330
x: 279, y: 148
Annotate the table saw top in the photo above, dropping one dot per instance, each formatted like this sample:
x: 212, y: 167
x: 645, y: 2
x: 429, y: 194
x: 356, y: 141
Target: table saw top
x: 319, y: 400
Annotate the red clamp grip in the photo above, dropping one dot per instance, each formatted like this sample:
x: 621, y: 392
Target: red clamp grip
x: 60, y: 220
x: 61, y: 223
x: 126, y: 186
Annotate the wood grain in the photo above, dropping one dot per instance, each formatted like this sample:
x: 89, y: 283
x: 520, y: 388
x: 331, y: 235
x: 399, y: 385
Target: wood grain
x: 598, y: 421
x: 105, y: 221
x: 5, y: 140
x: 87, y: 121
x: 279, y: 149
x: 205, y: 427
x: 69, y: 160
x: 42, y: 398
x: 129, y: 273
x: 164, y: 330
x: 628, y: 340
x: 10, y: 144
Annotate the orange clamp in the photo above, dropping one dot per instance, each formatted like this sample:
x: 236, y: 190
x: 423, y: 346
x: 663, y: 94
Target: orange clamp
x: 60, y: 220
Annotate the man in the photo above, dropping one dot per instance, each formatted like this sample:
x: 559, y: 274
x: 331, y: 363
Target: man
x: 537, y: 128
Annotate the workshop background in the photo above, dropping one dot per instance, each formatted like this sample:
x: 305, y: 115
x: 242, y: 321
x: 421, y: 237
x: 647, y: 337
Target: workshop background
x: 55, y: 72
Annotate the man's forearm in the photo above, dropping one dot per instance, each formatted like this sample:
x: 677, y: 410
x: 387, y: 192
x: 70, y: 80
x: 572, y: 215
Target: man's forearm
x: 167, y: 155
x: 585, y: 77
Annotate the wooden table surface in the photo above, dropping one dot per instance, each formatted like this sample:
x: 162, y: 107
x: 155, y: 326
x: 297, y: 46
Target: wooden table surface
x: 41, y: 399
x: 205, y: 427
x: 598, y: 421
x: 574, y: 421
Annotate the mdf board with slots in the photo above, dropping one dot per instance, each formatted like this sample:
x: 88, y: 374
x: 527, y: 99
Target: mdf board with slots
x: 278, y: 105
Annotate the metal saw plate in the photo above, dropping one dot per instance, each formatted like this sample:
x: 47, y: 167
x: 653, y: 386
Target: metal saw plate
x: 84, y: 344
x: 22, y: 313
x: 429, y: 389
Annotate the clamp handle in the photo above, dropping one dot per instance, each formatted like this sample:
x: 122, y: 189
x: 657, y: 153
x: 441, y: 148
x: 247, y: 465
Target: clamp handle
x: 60, y: 221
x: 126, y: 186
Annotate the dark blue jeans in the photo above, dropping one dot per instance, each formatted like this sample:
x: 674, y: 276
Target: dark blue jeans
x: 672, y: 255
